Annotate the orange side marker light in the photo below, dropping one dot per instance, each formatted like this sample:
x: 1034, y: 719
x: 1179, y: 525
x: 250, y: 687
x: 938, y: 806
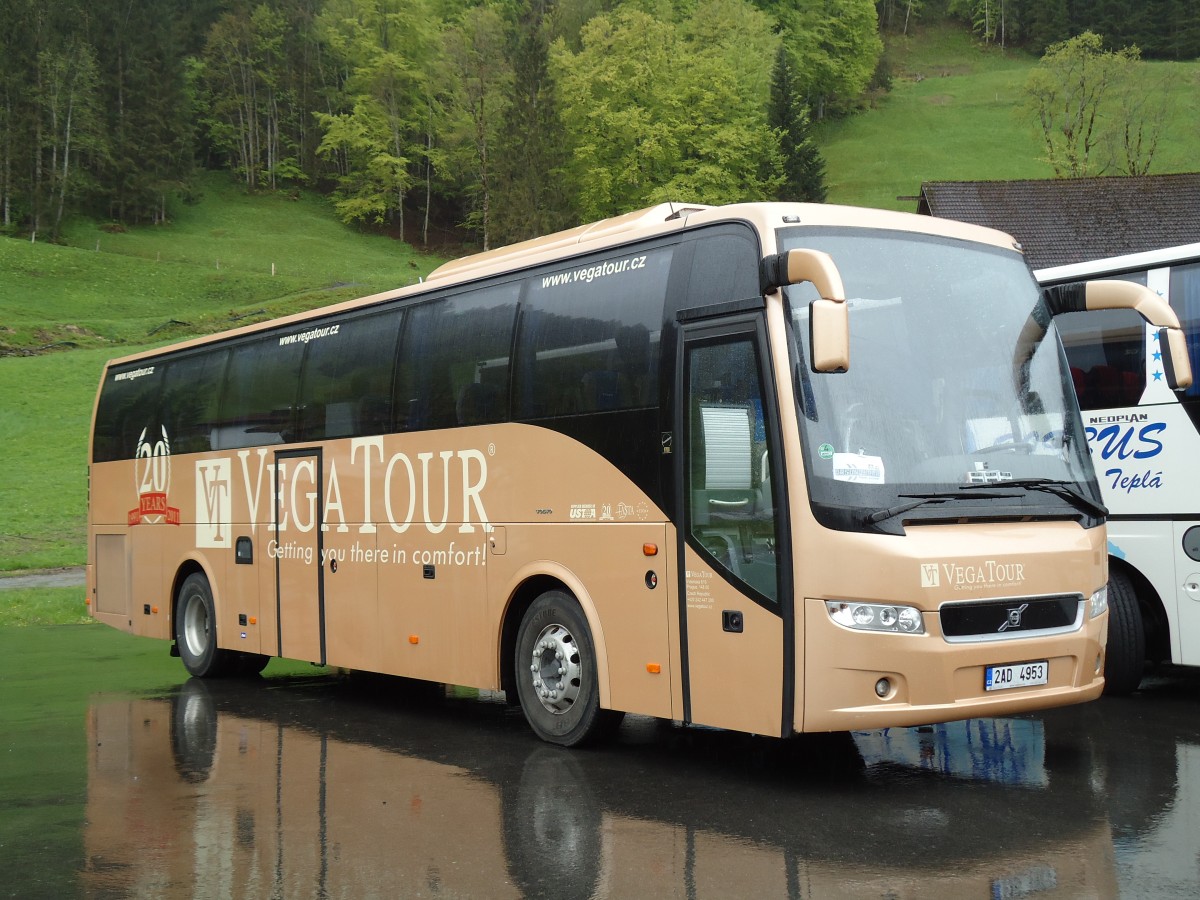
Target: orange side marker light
x: 650, y: 549
x: 653, y: 668
x: 414, y: 639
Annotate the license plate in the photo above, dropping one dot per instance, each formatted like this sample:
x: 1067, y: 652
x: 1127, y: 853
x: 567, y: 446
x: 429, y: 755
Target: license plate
x: 999, y: 678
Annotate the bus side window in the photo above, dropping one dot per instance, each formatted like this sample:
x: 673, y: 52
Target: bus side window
x: 1185, y: 300
x: 258, y: 403
x: 453, y: 360
x: 589, y: 336
x: 127, y: 407
x: 348, y: 379
x: 191, y: 393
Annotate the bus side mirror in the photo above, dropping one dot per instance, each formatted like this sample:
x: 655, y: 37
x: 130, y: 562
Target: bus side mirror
x: 1085, y: 296
x: 829, y: 322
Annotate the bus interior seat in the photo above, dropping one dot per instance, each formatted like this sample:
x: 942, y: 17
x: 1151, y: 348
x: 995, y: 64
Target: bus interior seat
x: 1110, y: 386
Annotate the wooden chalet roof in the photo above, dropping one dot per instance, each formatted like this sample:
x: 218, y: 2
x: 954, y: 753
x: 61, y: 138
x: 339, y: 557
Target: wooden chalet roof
x: 1068, y: 220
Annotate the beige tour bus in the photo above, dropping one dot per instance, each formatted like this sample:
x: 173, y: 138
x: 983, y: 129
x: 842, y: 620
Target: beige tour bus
x: 776, y: 468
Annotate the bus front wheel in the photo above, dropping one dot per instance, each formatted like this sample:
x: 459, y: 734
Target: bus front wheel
x: 1126, y: 655
x: 196, y: 630
x: 556, y: 673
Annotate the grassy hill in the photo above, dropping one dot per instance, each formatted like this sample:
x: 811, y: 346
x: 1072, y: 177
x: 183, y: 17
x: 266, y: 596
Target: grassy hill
x: 111, y: 293
x: 212, y: 267
x: 954, y: 113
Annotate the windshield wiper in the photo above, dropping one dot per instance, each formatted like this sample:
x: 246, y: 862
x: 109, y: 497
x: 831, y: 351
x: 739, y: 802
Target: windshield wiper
x: 921, y: 499
x: 1050, y: 486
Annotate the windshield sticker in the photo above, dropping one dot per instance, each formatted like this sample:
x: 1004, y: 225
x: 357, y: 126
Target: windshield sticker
x: 983, y: 474
x: 857, y: 468
x: 825, y: 451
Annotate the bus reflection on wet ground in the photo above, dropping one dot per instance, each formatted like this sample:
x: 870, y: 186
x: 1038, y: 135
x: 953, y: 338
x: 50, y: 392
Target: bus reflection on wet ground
x: 340, y: 787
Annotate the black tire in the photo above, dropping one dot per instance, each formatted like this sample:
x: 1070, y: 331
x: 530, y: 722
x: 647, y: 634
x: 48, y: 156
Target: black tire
x: 196, y: 631
x: 554, y: 642
x: 1125, y: 661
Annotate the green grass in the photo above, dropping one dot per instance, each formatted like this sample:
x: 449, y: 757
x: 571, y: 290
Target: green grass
x: 954, y: 114
x: 24, y: 607
x: 44, y: 419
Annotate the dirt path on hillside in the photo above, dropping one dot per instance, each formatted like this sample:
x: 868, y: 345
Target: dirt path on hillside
x: 67, y: 577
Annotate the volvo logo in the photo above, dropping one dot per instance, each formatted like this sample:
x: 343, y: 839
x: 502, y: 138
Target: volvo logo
x: 1014, y: 617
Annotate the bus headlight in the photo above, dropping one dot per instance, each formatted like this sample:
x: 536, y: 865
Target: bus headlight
x: 1099, y: 601
x: 876, y: 617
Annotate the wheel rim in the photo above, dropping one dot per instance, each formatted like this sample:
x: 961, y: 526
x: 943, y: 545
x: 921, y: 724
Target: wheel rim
x: 195, y: 626
x: 555, y: 669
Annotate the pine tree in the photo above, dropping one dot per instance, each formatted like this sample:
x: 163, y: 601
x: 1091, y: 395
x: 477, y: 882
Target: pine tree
x: 803, y: 166
x: 147, y: 111
x: 531, y: 196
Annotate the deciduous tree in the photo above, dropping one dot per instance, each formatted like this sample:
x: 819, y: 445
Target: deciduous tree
x: 386, y: 48
x: 663, y: 110
x: 1068, y: 94
x: 836, y: 46
x: 479, y: 77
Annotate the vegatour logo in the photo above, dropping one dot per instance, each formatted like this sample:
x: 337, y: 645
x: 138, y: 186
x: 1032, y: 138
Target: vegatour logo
x: 152, y: 481
x: 989, y: 573
x: 425, y: 491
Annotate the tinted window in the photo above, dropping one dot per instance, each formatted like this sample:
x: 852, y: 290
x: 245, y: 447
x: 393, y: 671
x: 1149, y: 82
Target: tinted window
x: 454, y: 363
x: 1185, y: 298
x: 590, y: 336
x: 258, y: 405
x: 1106, y: 350
x: 348, y: 379
x: 128, y: 404
x: 191, y: 394
x: 724, y: 268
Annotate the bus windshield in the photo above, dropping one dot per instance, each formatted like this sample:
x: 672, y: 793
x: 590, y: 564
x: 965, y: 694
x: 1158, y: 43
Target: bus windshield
x: 937, y: 413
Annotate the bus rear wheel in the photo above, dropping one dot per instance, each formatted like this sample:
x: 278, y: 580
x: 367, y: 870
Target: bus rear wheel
x: 556, y: 673
x: 196, y: 631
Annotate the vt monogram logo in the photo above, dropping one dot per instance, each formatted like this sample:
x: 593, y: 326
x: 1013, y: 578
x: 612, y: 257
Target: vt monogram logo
x: 213, y: 508
x: 930, y: 576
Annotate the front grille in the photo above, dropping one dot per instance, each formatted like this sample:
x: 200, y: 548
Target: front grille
x: 991, y: 619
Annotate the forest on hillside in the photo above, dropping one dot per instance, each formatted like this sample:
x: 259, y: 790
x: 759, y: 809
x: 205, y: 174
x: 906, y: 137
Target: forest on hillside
x: 505, y: 118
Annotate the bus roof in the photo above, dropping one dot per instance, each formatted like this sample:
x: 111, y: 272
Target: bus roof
x: 1111, y: 265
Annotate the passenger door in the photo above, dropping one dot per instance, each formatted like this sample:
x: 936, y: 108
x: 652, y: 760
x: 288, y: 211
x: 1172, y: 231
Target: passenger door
x: 299, y: 574
x: 737, y: 655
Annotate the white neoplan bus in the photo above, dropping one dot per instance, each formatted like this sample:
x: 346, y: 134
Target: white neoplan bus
x: 1145, y: 448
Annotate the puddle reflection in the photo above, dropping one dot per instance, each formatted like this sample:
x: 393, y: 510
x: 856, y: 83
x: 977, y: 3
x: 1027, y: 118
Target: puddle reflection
x: 317, y: 788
